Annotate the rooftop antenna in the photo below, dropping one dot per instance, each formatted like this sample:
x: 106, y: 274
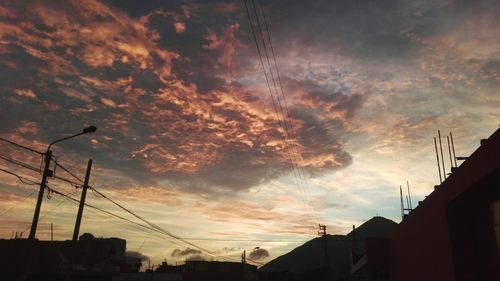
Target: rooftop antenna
x: 442, y: 158
x: 437, y: 157
x: 453, y: 148
x: 409, y: 194
x: 354, y: 252
x: 354, y: 238
x: 402, y: 204
x: 449, y: 152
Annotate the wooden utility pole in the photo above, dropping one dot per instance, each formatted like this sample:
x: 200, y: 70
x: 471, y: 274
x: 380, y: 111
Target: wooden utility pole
x: 46, y: 173
x: 82, y: 201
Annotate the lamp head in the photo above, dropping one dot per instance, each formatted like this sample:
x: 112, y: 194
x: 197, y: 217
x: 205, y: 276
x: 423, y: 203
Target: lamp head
x: 89, y: 129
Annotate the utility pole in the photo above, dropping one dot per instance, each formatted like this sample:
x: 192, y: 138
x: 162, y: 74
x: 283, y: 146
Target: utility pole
x: 82, y: 201
x: 322, y: 233
x: 46, y: 173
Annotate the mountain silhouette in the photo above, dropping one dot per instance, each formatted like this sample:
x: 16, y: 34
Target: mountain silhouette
x: 308, y: 260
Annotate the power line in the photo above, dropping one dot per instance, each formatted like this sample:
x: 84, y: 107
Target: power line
x: 154, y: 226
x: 67, y: 171
x: 20, y: 146
x: 97, y: 208
x: 76, y: 202
x: 74, y: 184
x: 19, y: 163
x: 244, y: 240
x: 29, y: 167
x: 286, y: 122
x: 265, y: 74
x: 296, y: 168
x: 151, y: 226
x: 141, y: 227
x: 18, y: 203
x: 48, y: 212
x: 287, y: 117
x: 20, y: 178
x: 297, y: 152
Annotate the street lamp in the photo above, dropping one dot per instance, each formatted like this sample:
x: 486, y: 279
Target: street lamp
x: 47, y: 173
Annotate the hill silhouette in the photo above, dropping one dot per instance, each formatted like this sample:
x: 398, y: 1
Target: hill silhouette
x: 308, y: 260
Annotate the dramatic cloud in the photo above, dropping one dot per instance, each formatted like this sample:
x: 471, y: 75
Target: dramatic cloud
x: 188, y: 254
x: 136, y: 254
x: 88, y: 63
x: 258, y: 254
x: 196, y: 258
x: 185, y: 252
x: 190, y: 135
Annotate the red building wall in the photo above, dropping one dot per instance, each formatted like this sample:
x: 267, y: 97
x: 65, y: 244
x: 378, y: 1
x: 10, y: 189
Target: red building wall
x: 438, y: 240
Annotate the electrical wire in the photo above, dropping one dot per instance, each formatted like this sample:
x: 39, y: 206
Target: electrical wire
x: 296, y: 168
x: 150, y: 226
x: 20, y: 178
x: 21, y: 146
x: 62, y: 201
x: 67, y: 171
x: 29, y: 167
x: 288, y: 117
x: 18, y: 203
x: 76, y: 202
x: 154, y: 226
x: 244, y: 240
x: 19, y: 163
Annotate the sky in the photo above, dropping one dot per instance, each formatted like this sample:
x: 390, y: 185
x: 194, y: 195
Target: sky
x: 191, y: 137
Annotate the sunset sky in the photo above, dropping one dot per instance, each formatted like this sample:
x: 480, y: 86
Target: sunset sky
x: 188, y: 136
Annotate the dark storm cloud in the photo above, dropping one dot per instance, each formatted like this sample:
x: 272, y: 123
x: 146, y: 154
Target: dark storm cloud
x: 140, y: 8
x: 202, y: 23
x: 185, y: 252
x: 136, y: 254
x: 163, y: 113
x: 196, y: 258
x: 326, y: 98
x: 146, y: 80
x: 241, y: 169
x: 329, y: 153
x: 259, y: 254
x: 367, y: 29
x: 491, y: 70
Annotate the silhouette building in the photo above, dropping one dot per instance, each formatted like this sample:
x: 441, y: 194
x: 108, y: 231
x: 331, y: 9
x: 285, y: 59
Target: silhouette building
x: 86, y: 259
x: 454, y: 234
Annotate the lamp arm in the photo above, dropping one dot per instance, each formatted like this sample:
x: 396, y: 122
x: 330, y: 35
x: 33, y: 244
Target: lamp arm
x: 63, y: 139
